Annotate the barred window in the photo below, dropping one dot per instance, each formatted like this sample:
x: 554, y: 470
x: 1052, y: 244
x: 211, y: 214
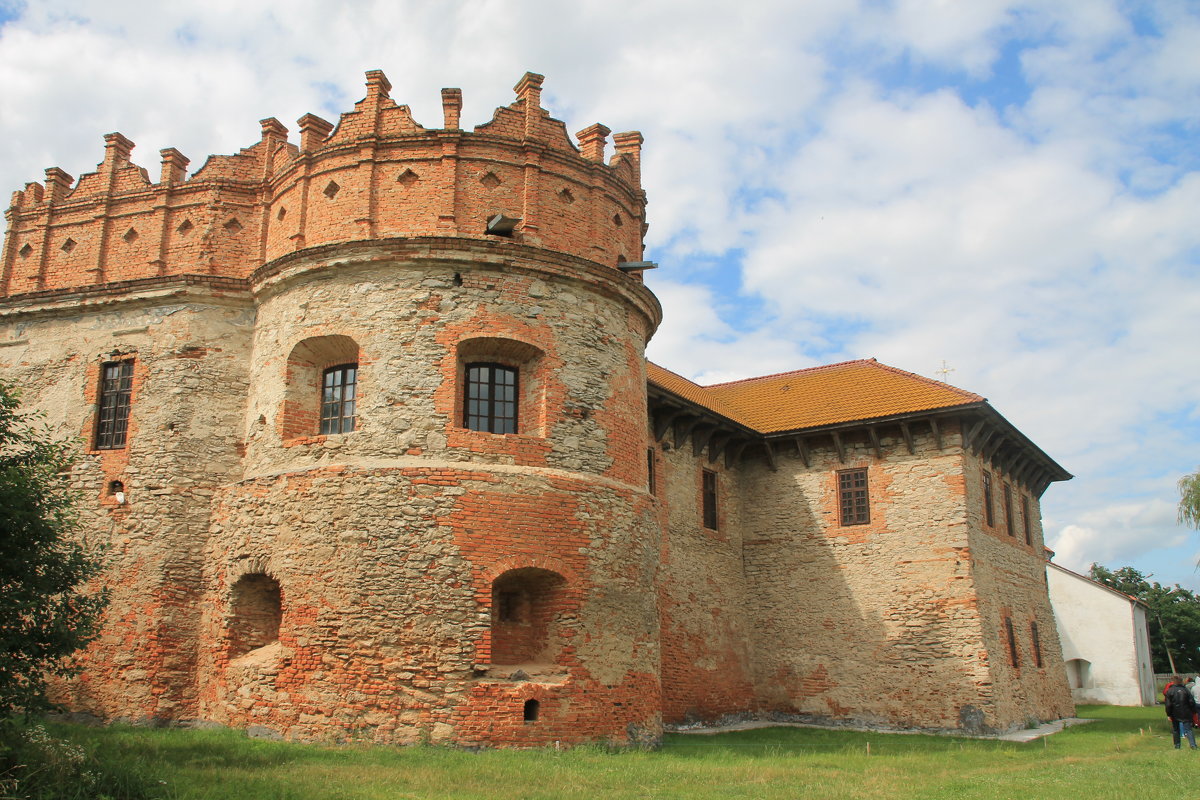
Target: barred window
x: 338, y: 394
x: 1025, y: 520
x: 710, y: 500
x: 853, y: 500
x: 987, y: 499
x: 1037, y: 645
x: 1014, y: 657
x: 490, y: 399
x: 116, y: 388
x: 1008, y: 507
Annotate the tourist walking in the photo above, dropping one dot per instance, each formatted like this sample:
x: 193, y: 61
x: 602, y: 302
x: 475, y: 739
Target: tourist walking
x: 1181, y: 708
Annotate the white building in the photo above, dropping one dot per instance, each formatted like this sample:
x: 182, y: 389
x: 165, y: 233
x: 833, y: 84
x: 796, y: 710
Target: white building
x: 1105, y: 640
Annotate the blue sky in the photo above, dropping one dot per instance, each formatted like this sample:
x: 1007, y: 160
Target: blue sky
x: 1011, y: 187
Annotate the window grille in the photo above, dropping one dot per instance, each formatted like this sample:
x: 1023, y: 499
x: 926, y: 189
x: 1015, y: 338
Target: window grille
x: 490, y: 400
x: 338, y: 395
x: 710, y: 500
x: 853, y: 498
x: 116, y: 388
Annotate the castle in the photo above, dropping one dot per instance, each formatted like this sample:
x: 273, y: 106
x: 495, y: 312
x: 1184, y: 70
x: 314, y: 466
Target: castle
x: 369, y: 431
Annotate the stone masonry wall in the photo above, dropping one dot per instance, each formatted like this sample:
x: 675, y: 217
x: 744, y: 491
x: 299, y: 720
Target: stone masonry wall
x: 184, y: 344
x: 706, y: 651
x: 1011, y: 577
x: 875, y: 622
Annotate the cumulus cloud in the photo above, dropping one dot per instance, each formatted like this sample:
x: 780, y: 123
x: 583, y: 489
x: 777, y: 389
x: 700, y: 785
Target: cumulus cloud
x: 1008, y: 185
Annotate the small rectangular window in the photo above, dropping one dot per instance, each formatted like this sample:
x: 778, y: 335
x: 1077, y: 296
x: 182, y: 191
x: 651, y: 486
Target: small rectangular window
x: 338, y: 395
x: 1014, y: 658
x: 116, y: 388
x: 710, y: 500
x: 987, y: 500
x: 1037, y: 645
x: 1008, y: 507
x: 490, y: 398
x: 651, y: 482
x: 853, y: 499
x: 1025, y: 520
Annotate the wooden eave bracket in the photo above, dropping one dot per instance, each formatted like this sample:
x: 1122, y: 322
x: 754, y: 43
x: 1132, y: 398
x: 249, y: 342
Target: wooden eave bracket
x: 874, y: 434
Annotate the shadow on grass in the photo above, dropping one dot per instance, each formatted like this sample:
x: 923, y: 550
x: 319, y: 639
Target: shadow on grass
x: 1110, y: 721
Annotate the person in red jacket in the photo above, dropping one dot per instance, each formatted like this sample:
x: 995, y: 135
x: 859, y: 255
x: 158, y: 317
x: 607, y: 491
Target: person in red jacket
x: 1181, y: 707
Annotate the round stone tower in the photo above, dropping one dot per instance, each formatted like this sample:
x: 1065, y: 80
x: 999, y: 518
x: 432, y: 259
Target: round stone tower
x: 434, y: 523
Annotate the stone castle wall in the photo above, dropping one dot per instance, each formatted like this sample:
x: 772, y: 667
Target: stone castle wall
x: 414, y: 580
x: 895, y: 622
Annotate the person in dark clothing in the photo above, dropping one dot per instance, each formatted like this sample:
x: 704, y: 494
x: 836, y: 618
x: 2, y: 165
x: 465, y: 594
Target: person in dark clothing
x: 1181, y: 707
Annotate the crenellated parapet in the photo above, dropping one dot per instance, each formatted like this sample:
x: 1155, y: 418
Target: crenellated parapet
x: 376, y: 174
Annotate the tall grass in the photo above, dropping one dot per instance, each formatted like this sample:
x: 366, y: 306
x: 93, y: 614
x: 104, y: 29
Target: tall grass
x: 1127, y: 753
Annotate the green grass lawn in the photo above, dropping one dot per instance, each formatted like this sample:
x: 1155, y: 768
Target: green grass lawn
x: 1127, y: 754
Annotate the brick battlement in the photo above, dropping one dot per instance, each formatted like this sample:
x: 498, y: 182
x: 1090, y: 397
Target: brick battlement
x: 376, y: 174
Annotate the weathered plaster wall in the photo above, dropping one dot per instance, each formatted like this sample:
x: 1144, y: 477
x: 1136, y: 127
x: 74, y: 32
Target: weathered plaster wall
x: 1107, y: 630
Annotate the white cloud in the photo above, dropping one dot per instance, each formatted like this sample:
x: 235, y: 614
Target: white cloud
x: 1046, y: 249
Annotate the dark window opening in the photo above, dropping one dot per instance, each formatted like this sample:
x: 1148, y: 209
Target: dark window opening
x: 1037, y: 645
x: 338, y: 394
x: 853, y: 499
x: 528, y: 610
x: 510, y: 606
x: 490, y: 398
x: 1014, y: 658
x: 532, y: 707
x: 116, y: 388
x: 987, y: 499
x: 1025, y: 520
x: 710, y: 500
x: 256, y: 611
x: 651, y: 482
x: 1008, y: 507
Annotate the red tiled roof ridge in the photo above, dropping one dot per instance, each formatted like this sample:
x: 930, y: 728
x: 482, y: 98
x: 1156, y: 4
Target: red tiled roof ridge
x: 802, y: 371
x: 672, y: 372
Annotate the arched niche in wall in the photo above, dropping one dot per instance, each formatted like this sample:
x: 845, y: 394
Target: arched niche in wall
x: 501, y: 387
x: 526, y: 606
x: 1079, y: 673
x: 255, y: 613
x: 321, y: 387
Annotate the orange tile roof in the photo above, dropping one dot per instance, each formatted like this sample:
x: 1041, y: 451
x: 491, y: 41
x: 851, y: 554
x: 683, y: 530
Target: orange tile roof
x: 847, y: 392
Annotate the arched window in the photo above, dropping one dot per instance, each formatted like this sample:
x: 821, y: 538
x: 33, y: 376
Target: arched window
x: 491, y: 400
x: 255, y: 611
x: 526, y: 603
x: 501, y: 386
x: 321, y: 391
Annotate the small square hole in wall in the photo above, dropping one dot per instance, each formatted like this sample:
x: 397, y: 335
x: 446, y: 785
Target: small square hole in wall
x: 233, y: 226
x: 281, y: 213
x: 490, y: 180
x: 566, y: 196
x: 68, y: 245
x: 332, y: 189
x: 130, y: 236
x: 531, y: 710
x: 408, y: 177
x: 185, y: 227
x: 25, y: 251
x: 617, y: 220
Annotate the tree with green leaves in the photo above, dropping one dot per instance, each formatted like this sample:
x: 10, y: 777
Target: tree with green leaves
x: 1189, y: 499
x: 48, y: 609
x: 1174, y: 617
